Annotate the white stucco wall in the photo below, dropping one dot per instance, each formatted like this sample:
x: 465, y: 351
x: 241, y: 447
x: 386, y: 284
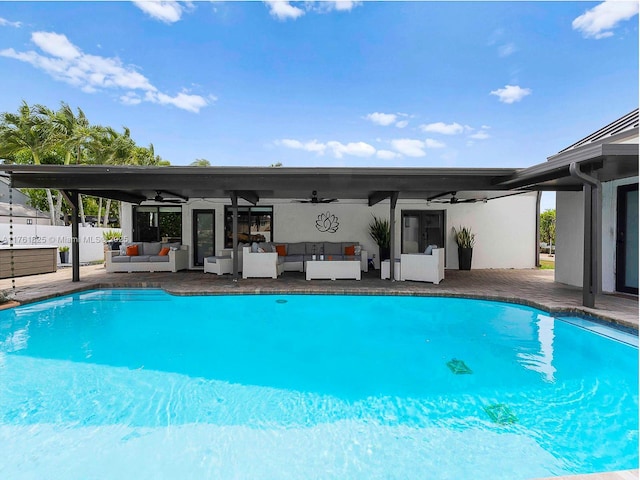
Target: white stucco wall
x: 504, y: 228
x: 505, y: 231
x: 609, y: 226
x: 569, y: 237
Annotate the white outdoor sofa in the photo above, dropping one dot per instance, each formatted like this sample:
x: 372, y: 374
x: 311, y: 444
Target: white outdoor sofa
x: 261, y: 264
x: 148, y: 259
x: 421, y: 267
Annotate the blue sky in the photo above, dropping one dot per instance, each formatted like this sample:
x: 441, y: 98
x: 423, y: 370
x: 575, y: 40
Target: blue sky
x: 413, y: 84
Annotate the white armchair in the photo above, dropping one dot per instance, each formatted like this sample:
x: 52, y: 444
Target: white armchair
x: 264, y: 264
x: 220, y: 264
x: 421, y: 267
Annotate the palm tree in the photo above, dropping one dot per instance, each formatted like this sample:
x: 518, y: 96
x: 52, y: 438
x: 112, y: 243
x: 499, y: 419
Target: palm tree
x: 27, y: 131
x: 109, y: 147
x: 73, y: 133
x: 200, y: 162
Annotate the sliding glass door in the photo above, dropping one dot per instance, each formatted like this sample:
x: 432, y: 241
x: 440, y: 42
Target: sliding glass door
x: 421, y: 228
x: 204, y: 235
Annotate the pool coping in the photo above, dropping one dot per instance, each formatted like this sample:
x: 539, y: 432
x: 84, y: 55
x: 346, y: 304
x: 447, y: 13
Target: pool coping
x: 235, y: 289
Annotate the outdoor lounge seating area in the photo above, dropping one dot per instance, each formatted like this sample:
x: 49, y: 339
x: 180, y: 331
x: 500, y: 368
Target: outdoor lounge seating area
x: 296, y: 253
x: 271, y: 259
x: 148, y: 257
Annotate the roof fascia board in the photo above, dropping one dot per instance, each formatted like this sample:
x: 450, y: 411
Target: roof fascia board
x: 558, y: 165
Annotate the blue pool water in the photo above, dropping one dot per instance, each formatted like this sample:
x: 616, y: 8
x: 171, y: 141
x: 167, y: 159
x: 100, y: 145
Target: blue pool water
x: 141, y: 384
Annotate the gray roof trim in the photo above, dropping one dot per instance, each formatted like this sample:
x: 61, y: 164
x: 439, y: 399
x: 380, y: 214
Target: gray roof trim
x: 617, y: 160
x: 622, y: 127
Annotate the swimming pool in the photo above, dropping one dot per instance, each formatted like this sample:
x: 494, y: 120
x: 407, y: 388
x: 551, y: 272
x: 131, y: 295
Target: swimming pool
x: 142, y: 384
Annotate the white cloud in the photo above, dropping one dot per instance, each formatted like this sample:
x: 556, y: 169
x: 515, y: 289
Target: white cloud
x: 601, y: 19
x: 91, y: 73
x: 356, y: 149
x: 387, y: 154
x: 480, y: 135
x: 443, y: 128
x: 6, y: 23
x: 312, y: 146
x: 130, y: 98
x: 386, y: 119
x: 344, y: 5
x: 409, y: 147
x: 511, y: 93
x: 184, y: 101
x: 167, y: 11
x: 383, y: 119
x: 431, y: 143
x: 338, y: 149
x: 283, y: 10
x: 56, y: 45
x: 506, y: 50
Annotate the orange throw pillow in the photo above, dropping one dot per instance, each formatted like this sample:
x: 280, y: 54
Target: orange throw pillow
x: 132, y: 250
x: 350, y: 250
x: 164, y: 252
x: 282, y: 250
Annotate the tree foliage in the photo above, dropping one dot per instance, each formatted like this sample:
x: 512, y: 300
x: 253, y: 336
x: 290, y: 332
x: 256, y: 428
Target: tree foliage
x: 548, y: 227
x: 38, y: 135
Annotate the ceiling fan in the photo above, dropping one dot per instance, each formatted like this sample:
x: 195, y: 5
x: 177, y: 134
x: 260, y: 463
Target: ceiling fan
x: 453, y: 199
x: 174, y: 197
x: 314, y: 199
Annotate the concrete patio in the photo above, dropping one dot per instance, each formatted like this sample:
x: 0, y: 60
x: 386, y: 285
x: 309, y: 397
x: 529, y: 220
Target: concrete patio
x: 529, y: 287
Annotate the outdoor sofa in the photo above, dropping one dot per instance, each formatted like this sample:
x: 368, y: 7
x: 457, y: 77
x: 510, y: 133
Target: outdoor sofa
x: 294, y: 254
x: 150, y: 257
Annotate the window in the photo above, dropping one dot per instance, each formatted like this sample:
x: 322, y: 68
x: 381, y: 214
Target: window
x: 254, y: 225
x: 421, y: 228
x: 157, y: 224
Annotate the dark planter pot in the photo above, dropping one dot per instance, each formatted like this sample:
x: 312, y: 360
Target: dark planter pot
x: 64, y: 257
x: 464, y: 258
x: 385, y: 253
x: 114, y: 245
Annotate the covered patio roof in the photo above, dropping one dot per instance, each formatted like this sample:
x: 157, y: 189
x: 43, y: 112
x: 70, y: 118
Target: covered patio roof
x: 137, y: 184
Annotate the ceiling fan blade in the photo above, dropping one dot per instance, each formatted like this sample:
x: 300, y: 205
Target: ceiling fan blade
x: 328, y: 200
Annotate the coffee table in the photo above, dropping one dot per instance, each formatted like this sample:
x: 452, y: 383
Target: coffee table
x: 332, y: 269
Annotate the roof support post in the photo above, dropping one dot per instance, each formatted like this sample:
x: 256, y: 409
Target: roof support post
x: 591, y: 190
x: 74, y: 200
x: 234, y: 235
x: 537, y: 252
x: 393, y: 200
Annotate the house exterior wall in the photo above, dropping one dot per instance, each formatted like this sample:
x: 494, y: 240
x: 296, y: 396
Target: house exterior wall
x: 504, y: 228
x: 569, y: 237
x: 609, y: 229
x: 570, y: 230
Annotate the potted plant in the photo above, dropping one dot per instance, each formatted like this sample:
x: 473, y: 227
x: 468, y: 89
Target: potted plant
x: 465, y: 241
x: 381, y: 233
x: 64, y: 254
x: 113, y: 238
